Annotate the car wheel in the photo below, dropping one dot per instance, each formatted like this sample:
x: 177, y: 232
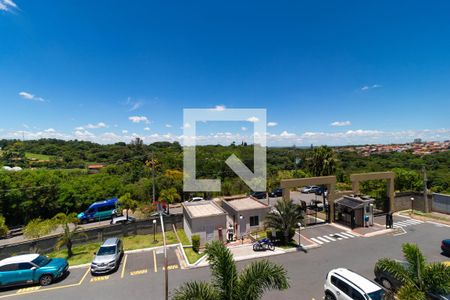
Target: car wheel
x: 329, y: 296
x: 386, y: 283
x: 45, y: 279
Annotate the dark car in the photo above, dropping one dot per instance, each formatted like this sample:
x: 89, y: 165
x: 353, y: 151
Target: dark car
x: 445, y: 247
x: 276, y: 193
x: 320, y: 190
x: 259, y: 195
x: 388, y: 281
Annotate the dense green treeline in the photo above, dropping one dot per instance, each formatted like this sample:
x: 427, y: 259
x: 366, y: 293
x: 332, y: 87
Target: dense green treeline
x: 63, y: 185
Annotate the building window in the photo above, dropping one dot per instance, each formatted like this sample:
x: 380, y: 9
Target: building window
x: 254, y: 221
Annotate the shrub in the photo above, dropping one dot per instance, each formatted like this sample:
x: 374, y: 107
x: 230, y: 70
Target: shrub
x: 3, y: 228
x: 269, y: 234
x: 196, y: 243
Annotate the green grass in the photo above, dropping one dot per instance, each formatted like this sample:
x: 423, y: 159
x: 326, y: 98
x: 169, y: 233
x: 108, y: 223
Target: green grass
x: 36, y: 156
x: 84, y: 253
x: 183, y: 237
x: 192, y: 256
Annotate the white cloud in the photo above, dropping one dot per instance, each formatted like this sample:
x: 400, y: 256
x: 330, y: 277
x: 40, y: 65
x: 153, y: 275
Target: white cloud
x: 369, y: 87
x: 7, y: 5
x: 244, y: 128
x: 50, y: 130
x: 272, y: 124
x: 219, y: 107
x: 287, y: 134
x: 79, y: 128
x: 139, y: 119
x: 168, y: 126
x: 124, y: 131
x: 134, y: 105
x: 96, y: 126
x: 253, y: 119
x: 31, y: 97
x: 341, y: 123
x: 186, y: 126
x: 147, y: 128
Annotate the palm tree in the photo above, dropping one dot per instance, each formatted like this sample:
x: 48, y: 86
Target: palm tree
x: 170, y: 195
x: 66, y: 239
x: 284, y: 217
x: 127, y: 203
x: 417, y: 277
x: 257, y: 278
x: 322, y: 161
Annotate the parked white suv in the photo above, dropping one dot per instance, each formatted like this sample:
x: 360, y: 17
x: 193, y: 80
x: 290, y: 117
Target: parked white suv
x: 343, y: 284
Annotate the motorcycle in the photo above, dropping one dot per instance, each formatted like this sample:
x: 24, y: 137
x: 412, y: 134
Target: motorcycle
x: 262, y: 245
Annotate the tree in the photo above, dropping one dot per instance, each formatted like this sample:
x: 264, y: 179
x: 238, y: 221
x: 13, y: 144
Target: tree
x: 37, y: 228
x: 3, y: 228
x: 257, y: 278
x: 66, y: 239
x: 127, y: 203
x: 418, y: 277
x: 322, y: 161
x: 284, y: 217
x: 170, y: 196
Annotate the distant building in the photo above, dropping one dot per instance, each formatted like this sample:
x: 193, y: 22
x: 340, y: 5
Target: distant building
x: 417, y: 141
x: 94, y: 169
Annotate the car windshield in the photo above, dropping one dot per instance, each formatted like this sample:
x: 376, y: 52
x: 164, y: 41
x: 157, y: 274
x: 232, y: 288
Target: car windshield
x: 41, y: 260
x: 377, y: 295
x: 107, y: 250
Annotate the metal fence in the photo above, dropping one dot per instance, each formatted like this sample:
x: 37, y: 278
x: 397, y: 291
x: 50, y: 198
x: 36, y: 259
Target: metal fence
x: 99, y: 234
x: 441, y: 203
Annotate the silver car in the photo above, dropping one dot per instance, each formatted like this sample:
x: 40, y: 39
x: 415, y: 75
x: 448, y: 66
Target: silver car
x: 108, y: 257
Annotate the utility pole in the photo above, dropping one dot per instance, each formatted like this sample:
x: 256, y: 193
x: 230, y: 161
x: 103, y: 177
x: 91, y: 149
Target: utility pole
x: 153, y: 177
x: 425, y: 192
x: 166, y: 271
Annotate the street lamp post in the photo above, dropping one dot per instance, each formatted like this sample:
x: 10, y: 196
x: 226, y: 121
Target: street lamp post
x: 241, y: 217
x: 154, y: 231
x: 299, y: 227
x: 412, y: 205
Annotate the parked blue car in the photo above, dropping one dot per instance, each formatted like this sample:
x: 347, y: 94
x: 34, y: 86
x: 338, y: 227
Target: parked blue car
x: 31, y: 268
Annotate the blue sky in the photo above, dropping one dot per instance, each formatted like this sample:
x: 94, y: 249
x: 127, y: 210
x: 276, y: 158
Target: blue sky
x: 328, y: 72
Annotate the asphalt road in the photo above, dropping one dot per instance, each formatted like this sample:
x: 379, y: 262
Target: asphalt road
x: 306, y: 270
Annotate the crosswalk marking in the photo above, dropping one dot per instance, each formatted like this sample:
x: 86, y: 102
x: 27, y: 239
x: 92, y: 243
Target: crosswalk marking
x: 333, y: 237
x: 317, y: 241
x: 330, y: 238
x: 322, y: 239
x: 341, y: 235
x: 348, y: 234
x: 408, y: 222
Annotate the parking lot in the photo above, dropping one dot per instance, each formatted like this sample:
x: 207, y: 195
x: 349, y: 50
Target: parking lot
x: 148, y: 264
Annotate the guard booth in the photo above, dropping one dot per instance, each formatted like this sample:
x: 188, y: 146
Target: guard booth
x: 354, y: 211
